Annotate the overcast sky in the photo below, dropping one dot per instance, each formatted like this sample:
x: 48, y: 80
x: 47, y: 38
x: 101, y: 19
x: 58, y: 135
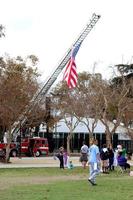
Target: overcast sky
x: 47, y: 28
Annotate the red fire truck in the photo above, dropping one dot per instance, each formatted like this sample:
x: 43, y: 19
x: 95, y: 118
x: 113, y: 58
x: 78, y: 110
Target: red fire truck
x: 35, y: 146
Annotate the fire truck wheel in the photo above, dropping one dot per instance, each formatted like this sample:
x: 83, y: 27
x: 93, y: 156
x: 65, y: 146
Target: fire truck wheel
x: 38, y: 153
x: 13, y: 153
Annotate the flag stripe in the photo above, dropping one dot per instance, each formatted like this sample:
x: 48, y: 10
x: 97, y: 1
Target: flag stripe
x: 70, y: 74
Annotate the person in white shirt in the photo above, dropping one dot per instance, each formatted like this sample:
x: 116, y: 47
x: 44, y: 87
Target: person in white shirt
x: 5, y: 138
x: 84, y: 155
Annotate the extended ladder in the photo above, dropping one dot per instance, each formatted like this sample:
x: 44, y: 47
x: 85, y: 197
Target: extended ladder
x: 49, y: 82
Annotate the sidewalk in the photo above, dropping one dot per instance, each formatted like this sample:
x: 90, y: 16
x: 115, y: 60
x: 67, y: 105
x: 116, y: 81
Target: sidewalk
x: 26, y: 162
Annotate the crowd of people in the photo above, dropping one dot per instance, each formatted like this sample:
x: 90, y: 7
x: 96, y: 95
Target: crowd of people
x: 111, y: 158
x: 101, y: 160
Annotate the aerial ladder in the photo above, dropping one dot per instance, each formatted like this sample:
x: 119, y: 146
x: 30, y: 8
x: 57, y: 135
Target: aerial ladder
x: 49, y: 82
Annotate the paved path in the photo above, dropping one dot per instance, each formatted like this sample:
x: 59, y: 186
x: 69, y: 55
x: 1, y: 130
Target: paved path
x: 26, y: 162
x: 36, y: 162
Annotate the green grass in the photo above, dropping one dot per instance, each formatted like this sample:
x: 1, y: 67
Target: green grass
x: 110, y: 187
x: 53, y: 171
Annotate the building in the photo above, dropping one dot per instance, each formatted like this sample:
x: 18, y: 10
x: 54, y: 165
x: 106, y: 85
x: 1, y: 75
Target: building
x: 80, y: 134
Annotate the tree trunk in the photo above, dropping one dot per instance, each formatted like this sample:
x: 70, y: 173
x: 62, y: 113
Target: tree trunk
x: 108, y: 138
x: 68, y: 144
x: 90, y: 137
x: 8, y: 146
x: 7, y: 153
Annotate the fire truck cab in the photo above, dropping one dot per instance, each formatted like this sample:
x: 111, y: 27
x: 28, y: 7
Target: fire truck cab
x: 35, y: 146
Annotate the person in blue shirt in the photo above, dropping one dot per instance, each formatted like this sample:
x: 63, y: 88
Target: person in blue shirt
x: 94, y: 161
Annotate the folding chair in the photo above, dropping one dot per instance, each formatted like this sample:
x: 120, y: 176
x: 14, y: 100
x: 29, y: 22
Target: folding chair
x: 120, y: 169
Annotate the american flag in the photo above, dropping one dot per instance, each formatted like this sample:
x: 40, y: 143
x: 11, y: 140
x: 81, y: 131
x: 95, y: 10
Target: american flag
x: 70, y: 74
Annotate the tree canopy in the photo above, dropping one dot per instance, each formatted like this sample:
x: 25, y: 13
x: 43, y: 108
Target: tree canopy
x: 18, y: 83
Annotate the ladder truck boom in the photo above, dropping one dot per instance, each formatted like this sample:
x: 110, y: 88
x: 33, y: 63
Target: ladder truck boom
x: 66, y: 57
x: 49, y: 82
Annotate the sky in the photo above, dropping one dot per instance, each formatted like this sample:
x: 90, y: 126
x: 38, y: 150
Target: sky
x: 47, y: 28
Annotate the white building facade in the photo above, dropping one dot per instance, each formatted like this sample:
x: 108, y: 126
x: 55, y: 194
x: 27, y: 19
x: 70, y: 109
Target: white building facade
x: 80, y: 134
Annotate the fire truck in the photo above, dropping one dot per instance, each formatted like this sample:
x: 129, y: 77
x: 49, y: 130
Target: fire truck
x: 35, y: 146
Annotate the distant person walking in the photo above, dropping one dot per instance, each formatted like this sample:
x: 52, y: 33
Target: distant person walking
x: 84, y: 154
x: 94, y: 161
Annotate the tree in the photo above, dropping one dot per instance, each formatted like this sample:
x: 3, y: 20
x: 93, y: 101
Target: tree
x: 18, y: 83
x: 125, y: 69
x: 125, y: 74
x: 95, y: 98
x: 78, y: 104
x: 63, y: 103
x: 114, y: 103
x: 87, y: 106
x: 2, y: 34
x: 99, y: 99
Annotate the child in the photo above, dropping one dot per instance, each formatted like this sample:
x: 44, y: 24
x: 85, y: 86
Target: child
x: 70, y: 165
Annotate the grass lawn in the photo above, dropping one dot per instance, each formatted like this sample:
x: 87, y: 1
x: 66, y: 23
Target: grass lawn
x: 53, y: 184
